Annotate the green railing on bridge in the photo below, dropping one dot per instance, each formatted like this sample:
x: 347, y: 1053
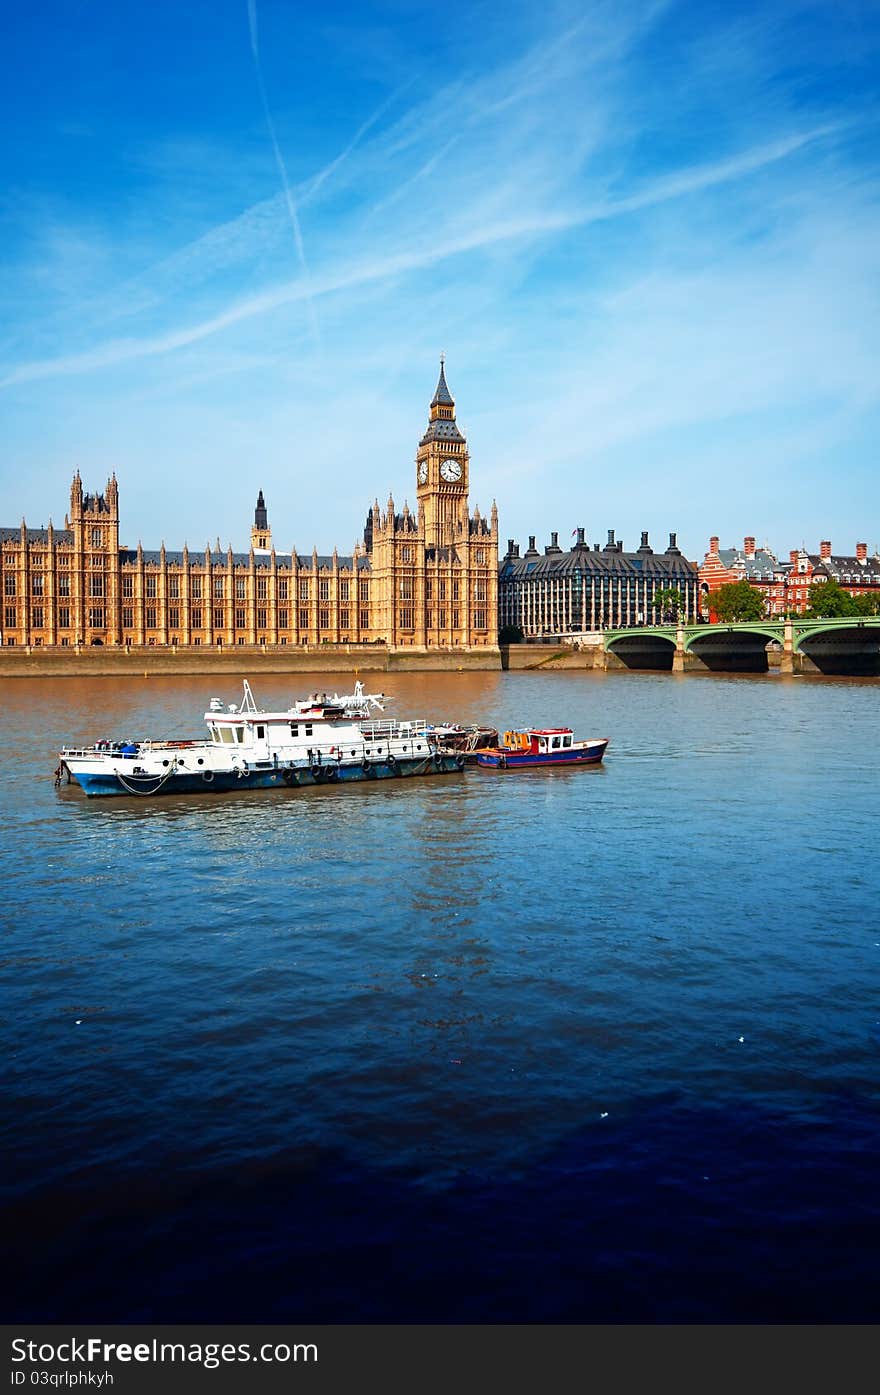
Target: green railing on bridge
x: 795, y: 631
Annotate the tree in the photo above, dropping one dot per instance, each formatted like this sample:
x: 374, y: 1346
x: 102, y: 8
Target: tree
x: 736, y: 601
x: 510, y: 634
x: 829, y: 600
x: 668, y: 601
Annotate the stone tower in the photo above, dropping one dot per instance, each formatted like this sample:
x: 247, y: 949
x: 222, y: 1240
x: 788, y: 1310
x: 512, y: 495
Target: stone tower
x: 434, y: 573
x: 261, y: 533
x: 442, y: 471
x: 94, y: 574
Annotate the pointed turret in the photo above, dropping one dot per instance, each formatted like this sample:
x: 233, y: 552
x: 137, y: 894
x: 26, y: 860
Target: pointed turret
x: 261, y: 533
x: 442, y: 396
x: 441, y: 416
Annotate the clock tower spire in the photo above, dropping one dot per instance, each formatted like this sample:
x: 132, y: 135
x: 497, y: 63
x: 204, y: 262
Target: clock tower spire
x: 442, y: 470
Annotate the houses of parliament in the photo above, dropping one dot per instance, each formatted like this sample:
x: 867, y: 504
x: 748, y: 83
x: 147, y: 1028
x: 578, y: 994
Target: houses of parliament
x: 426, y: 579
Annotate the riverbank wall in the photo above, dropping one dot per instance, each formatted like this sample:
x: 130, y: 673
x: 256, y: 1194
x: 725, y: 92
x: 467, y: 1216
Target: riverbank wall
x: 342, y: 658
x: 250, y: 659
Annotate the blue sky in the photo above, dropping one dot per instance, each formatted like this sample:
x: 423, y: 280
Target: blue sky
x: 236, y: 237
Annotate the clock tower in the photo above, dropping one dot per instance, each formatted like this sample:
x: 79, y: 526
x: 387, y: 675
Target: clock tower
x: 442, y: 471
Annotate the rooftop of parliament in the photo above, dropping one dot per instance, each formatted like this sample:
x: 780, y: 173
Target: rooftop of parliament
x: 426, y: 579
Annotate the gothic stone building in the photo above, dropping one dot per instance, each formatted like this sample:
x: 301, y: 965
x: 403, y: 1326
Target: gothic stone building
x: 428, y: 579
x: 563, y: 593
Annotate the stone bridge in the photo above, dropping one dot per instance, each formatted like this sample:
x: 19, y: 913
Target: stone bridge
x: 850, y: 646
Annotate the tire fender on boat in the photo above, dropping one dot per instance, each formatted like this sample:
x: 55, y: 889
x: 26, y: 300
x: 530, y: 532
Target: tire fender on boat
x: 208, y: 776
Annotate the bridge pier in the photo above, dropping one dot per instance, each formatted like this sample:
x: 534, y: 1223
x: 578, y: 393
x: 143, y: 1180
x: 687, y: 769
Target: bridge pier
x: 679, y: 658
x: 786, y: 661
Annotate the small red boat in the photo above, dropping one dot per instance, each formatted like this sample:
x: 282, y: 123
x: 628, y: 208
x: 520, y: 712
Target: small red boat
x: 521, y: 750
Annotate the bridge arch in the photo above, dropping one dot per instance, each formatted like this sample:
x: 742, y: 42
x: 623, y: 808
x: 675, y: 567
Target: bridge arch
x: 836, y: 648
x: 767, y: 633
x: 645, y: 649
x: 733, y: 648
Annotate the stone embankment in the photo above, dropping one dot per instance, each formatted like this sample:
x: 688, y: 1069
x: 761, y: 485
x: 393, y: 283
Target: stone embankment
x: 250, y: 659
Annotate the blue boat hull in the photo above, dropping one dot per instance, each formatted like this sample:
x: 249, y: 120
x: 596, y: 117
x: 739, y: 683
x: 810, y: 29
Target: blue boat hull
x: 273, y: 777
x: 513, y: 760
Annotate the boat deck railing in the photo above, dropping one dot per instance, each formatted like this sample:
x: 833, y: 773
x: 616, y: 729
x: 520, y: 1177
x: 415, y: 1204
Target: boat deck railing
x: 372, y: 731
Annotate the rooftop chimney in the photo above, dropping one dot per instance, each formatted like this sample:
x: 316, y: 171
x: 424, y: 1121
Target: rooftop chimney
x: 673, y: 546
x: 793, y: 557
x: 532, y: 547
x: 580, y: 538
x: 862, y: 552
x: 824, y: 549
x: 749, y: 546
x: 510, y: 547
x: 713, y: 547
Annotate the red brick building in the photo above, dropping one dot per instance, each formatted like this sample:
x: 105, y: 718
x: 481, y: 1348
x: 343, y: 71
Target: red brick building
x: 786, y: 585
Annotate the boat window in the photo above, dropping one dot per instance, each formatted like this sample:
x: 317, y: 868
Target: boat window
x: 239, y: 735
x: 294, y: 729
x: 555, y: 743
x: 215, y: 735
x: 226, y: 735
x: 308, y: 730
x: 261, y: 732
x: 566, y: 740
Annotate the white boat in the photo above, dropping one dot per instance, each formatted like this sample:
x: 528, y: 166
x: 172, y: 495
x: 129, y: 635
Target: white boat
x: 319, y: 740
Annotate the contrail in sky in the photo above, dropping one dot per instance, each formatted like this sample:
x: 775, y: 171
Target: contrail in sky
x: 282, y: 169
x: 407, y: 258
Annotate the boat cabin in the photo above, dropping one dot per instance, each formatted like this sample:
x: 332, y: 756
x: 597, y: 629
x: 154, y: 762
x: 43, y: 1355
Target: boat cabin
x: 538, y: 742
x: 264, y: 734
x: 337, y: 726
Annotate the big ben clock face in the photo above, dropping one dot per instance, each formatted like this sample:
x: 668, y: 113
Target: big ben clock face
x: 451, y: 470
x: 423, y: 472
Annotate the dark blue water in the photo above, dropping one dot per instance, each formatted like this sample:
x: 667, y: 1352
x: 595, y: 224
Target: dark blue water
x: 582, y: 1046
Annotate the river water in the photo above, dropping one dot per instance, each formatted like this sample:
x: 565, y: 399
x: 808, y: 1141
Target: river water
x: 564, y: 1046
